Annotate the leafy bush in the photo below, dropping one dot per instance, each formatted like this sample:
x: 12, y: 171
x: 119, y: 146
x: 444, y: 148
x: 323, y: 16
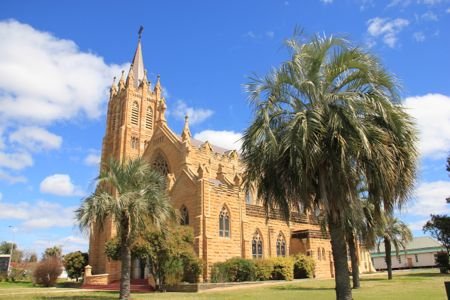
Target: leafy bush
x: 74, y: 263
x: 283, y: 268
x: 192, y: 268
x: 303, y: 266
x: 442, y: 261
x: 218, y: 272
x: 233, y: 270
x: 263, y: 269
x: 47, y: 272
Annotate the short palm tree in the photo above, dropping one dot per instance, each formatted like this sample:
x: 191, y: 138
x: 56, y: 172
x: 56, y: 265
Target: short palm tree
x: 392, y: 231
x: 131, y: 194
x: 327, y: 118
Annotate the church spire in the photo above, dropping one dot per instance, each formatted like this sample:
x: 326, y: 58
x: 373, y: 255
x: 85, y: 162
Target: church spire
x: 138, y: 61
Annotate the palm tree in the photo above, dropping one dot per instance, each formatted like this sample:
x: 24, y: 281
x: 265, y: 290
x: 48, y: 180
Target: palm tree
x: 393, y: 231
x: 131, y: 194
x: 324, y: 119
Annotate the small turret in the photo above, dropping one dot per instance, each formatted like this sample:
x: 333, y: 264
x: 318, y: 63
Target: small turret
x: 144, y: 81
x: 113, y: 89
x: 186, y: 134
x: 130, y: 78
x: 158, y: 88
x: 122, y: 81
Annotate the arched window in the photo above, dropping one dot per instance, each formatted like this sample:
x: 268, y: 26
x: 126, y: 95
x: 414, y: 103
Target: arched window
x: 323, y: 254
x: 149, y: 118
x: 224, y: 223
x: 281, y: 245
x: 248, y: 198
x: 184, y: 215
x: 257, y: 246
x: 135, y: 113
x: 160, y: 165
x: 134, y: 142
x: 319, y: 254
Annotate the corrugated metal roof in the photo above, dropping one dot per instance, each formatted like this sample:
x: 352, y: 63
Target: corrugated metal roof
x: 420, y: 244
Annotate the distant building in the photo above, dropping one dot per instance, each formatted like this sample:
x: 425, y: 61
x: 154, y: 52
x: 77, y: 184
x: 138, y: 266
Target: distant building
x: 419, y: 253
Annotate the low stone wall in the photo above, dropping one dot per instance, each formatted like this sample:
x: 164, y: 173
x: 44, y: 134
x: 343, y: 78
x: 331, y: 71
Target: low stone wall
x: 100, y: 279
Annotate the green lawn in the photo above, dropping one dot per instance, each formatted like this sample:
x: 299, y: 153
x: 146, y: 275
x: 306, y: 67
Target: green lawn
x: 423, y: 284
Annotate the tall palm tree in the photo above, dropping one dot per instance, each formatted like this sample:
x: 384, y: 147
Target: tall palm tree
x: 324, y: 119
x: 393, y: 231
x: 131, y: 194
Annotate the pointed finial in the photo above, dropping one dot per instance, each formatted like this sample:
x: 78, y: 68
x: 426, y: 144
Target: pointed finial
x: 122, y: 80
x: 130, y: 77
x: 141, y: 29
x: 113, y: 88
x: 186, y: 134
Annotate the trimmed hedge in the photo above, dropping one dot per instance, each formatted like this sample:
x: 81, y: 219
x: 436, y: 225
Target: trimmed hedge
x: 264, y: 268
x: 275, y: 268
x: 283, y: 268
x: 303, y: 266
x: 233, y: 270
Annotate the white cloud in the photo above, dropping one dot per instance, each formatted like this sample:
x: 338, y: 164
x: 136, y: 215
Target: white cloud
x: 326, y: 1
x: 41, y: 214
x: 386, y: 29
x: 11, y: 178
x: 429, y: 198
x: 429, y: 16
x: 196, y: 115
x: 68, y: 244
x: 432, y: 114
x: 36, y: 138
x: 44, y: 78
x: 15, y: 161
x: 419, y: 36
x: 61, y: 185
x: 402, y: 3
x: 225, y: 139
x: 92, y: 159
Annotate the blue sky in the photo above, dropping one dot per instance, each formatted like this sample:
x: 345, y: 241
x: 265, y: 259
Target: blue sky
x: 57, y: 60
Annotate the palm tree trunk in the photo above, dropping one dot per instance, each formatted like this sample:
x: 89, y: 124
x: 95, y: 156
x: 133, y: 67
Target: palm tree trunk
x: 342, y: 279
x: 387, y: 251
x: 126, y: 262
x: 354, y: 259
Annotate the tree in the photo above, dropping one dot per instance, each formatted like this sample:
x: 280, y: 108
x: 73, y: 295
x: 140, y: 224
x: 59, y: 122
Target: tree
x: 47, y: 271
x: 170, y: 253
x: 74, y: 263
x: 17, y: 254
x: 54, y: 251
x: 393, y: 232
x: 131, y: 194
x: 439, y: 228
x: 327, y: 118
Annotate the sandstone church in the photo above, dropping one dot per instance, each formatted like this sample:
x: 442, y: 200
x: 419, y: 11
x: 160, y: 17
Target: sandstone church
x: 204, y: 183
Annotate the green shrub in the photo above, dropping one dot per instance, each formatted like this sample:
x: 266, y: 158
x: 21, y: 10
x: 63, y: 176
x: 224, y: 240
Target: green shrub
x: 218, y: 273
x: 233, y: 270
x: 263, y: 269
x: 442, y: 261
x: 303, y: 266
x: 283, y: 268
x: 192, y: 266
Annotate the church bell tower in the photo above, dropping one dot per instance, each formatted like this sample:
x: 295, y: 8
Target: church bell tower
x: 134, y: 109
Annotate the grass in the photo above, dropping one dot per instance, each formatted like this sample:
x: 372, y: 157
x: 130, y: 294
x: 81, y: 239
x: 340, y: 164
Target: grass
x: 417, y: 285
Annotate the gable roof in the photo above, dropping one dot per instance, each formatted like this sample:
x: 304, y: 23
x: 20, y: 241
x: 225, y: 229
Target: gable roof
x: 417, y: 245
